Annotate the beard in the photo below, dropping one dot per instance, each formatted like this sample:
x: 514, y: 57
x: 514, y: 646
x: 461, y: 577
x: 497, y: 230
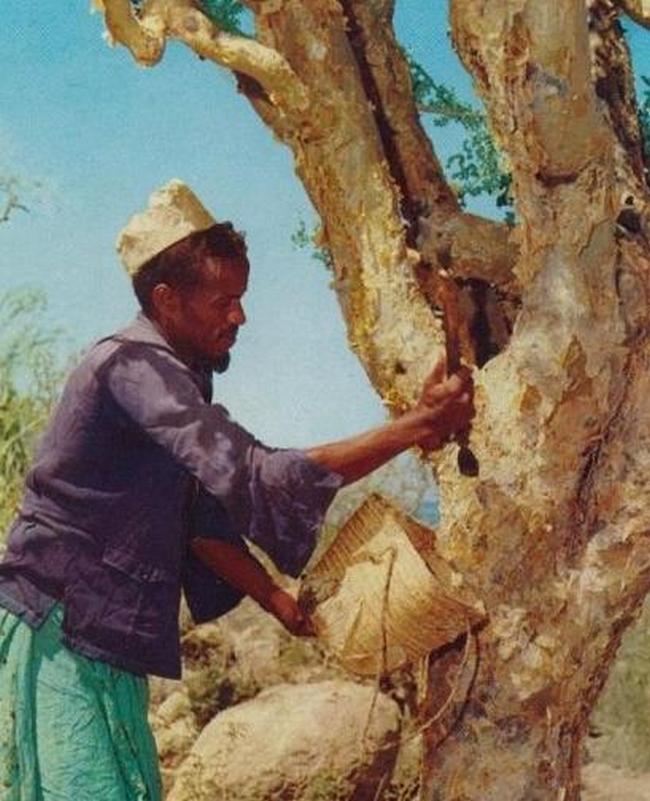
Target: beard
x: 221, y: 363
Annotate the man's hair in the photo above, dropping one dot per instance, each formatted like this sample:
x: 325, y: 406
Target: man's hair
x: 179, y: 265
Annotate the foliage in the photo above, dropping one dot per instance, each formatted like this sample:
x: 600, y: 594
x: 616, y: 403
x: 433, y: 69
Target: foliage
x: 620, y: 720
x: 479, y: 168
x: 29, y: 382
x: 11, y: 189
x: 302, y: 238
x: 227, y: 14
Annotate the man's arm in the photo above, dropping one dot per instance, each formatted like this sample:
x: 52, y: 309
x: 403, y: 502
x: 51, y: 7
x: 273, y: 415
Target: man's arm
x: 240, y: 569
x: 277, y: 498
x: 445, y: 407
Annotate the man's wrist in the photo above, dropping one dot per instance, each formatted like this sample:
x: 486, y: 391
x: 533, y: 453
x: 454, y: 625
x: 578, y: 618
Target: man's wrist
x: 266, y: 596
x: 418, y: 423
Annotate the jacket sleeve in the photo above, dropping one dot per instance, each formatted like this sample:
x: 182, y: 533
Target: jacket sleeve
x: 275, y: 497
x: 208, y: 596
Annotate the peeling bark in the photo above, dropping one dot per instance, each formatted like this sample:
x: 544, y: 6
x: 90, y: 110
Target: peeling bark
x: 341, y: 159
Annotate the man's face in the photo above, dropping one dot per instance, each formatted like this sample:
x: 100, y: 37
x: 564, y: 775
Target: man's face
x: 202, y: 322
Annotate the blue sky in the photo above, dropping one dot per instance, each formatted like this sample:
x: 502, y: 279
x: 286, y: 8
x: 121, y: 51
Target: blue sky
x: 101, y: 133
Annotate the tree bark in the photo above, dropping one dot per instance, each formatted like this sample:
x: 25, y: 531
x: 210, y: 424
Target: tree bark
x: 554, y: 535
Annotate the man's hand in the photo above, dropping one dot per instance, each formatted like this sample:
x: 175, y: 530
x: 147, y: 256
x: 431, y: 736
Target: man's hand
x: 450, y: 400
x: 285, y: 608
x: 445, y: 408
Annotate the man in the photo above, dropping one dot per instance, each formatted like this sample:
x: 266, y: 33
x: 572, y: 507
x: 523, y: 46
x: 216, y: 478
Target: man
x: 142, y: 486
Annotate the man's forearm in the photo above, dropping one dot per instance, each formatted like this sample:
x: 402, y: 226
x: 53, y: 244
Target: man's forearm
x: 357, y: 456
x: 238, y: 567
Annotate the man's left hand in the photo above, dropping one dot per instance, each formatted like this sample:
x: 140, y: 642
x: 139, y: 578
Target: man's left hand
x: 284, y: 608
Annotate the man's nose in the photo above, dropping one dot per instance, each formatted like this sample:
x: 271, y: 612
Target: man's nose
x: 237, y: 315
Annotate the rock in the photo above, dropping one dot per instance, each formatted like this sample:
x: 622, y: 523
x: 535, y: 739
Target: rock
x: 266, y: 654
x: 331, y: 740
x: 251, y: 651
x: 160, y: 689
x: 256, y: 642
x: 603, y: 783
x: 175, y: 729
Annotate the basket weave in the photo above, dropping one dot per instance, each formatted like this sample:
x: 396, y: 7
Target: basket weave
x: 380, y: 597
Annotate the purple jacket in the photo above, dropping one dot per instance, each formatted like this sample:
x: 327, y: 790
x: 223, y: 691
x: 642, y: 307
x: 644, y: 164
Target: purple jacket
x: 134, y: 463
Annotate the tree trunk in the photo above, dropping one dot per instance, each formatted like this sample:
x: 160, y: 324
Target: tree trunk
x: 554, y: 534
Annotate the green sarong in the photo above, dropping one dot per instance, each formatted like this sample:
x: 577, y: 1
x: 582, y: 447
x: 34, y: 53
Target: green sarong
x: 71, y: 728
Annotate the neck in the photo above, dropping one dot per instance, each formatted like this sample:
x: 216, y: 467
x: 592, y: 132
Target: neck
x: 186, y: 354
x: 180, y: 349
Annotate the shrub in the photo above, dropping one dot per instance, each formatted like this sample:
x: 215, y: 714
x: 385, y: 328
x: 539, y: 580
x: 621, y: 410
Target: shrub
x: 30, y: 378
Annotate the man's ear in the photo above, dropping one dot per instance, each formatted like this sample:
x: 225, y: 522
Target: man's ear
x: 164, y: 301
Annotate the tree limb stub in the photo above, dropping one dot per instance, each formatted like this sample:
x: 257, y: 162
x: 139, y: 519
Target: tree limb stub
x: 145, y: 39
x: 181, y: 19
x: 473, y: 247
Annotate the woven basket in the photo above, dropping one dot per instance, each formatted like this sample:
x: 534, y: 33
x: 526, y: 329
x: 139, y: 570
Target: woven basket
x: 380, y: 597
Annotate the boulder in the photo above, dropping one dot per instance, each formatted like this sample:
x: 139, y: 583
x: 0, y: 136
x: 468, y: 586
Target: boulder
x: 174, y: 727
x: 296, y: 742
x: 602, y: 782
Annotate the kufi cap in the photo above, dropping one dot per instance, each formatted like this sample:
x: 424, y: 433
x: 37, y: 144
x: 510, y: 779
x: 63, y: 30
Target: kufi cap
x: 174, y: 212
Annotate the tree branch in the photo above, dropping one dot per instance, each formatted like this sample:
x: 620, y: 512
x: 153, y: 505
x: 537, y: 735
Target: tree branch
x: 264, y: 64
x: 144, y: 38
x: 181, y: 19
x: 436, y: 227
x: 386, y: 77
x: 639, y: 10
x: 614, y: 82
x: 545, y: 114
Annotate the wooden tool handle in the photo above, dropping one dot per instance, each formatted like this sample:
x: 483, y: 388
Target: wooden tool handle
x: 452, y: 323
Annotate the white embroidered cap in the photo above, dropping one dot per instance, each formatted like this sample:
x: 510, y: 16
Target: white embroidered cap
x: 174, y: 212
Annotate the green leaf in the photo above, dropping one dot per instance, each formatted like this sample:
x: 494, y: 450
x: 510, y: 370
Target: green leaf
x: 226, y: 14
x: 479, y: 168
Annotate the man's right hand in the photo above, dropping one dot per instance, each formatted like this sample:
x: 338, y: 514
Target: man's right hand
x: 445, y: 407
x: 450, y: 400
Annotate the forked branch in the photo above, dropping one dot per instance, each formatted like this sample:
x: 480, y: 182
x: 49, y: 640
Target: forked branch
x: 145, y: 35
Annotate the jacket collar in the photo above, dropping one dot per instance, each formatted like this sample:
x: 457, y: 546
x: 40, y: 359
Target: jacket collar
x: 144, y: 330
